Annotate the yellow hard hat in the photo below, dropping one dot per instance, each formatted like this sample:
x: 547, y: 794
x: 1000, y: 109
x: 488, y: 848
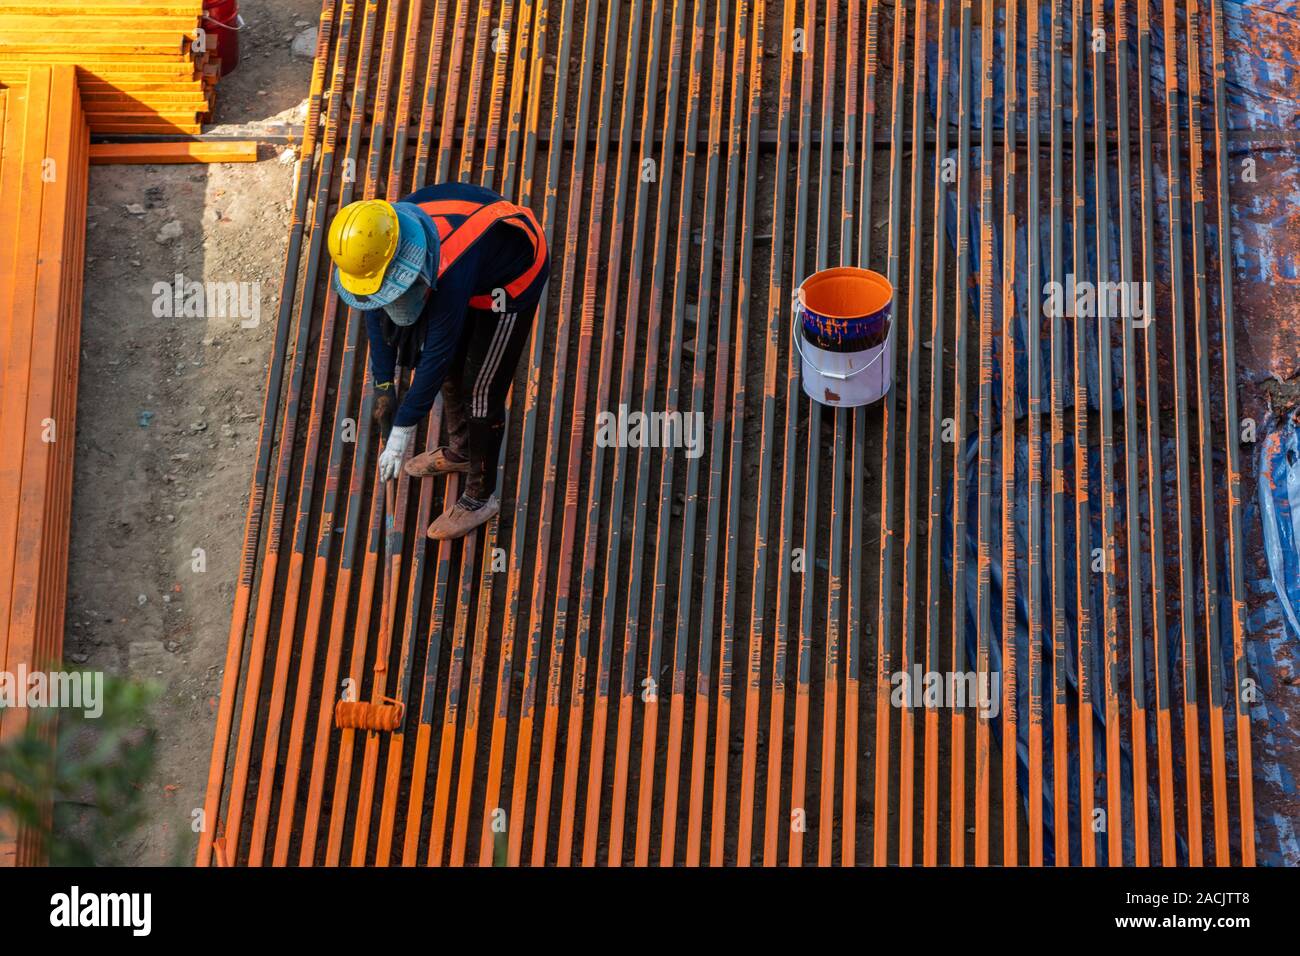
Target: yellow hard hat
x: 362, y: 242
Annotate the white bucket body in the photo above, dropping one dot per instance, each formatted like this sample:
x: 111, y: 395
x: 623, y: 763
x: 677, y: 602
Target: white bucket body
x: 846, y: 379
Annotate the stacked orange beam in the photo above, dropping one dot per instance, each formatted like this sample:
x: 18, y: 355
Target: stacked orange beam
x: 143, y: 66
x: 44, y: 149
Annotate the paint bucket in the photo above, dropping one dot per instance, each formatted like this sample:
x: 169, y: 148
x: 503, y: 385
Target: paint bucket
x: 223, y: 23
x: 844, y: 332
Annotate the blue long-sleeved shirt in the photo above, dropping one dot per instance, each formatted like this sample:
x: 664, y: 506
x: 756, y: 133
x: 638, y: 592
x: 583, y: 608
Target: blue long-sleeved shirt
x: 500, y: 256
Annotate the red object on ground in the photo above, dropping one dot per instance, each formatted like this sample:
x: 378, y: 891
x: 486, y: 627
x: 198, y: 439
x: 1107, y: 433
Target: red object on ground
x: 222, y: 22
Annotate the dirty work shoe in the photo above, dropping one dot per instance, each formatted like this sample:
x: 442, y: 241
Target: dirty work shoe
x: 462, y: 519
x: 441, y: 461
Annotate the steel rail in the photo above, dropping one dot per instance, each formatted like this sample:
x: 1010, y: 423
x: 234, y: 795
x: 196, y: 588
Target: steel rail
x: 470, y: 122
x: 960, y: 595
x: 808, y: 543
x: 446, y: 133
x: 1060, y: 636
x: 984, y: 513
x: 1010, y: 586
x: 1111, y: 589
x: 433, y: 641
x: 934, y: 463
x: 397, y: 740
x: 852, y: 251
x: 884, y: 648
x: 1083, y: 572
x: 301, y: 703
x: 912, y: 428
x: 1231, y: 433
x: 1132, y: 477
x: 834, y: 599
x: 497, y: 101
x: 393, y: 534
x: 844, y: 424
x: 1155, y: 480
x: 776, y: 299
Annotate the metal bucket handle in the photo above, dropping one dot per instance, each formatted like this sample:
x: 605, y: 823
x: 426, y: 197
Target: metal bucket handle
x: 797, y: 325
x: 237, y: 24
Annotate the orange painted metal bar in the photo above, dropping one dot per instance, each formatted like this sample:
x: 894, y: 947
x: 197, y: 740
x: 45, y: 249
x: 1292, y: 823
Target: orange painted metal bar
x: 834, y: 601
x: 911, y: 460
x: 103, y: 8
x: 1132, y: 479
x: 934, y: 464
x: 853, y: 431
x: 984, y: 513
x: 1083, y: 563
x: 133, y: 153
x: 861, y: 495
x: 1010, y: 586
x: 961, y: 602
x: 1060, y: 651
x: 411, y: 626
x: 888, y: 465
x: 43, y: 181
x: 799, y: 815
x: 163, y: 42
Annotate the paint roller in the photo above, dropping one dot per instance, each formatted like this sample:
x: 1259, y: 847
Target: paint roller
x: 387, y: 714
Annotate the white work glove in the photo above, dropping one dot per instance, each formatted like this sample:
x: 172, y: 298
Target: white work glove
x: 390, y: 462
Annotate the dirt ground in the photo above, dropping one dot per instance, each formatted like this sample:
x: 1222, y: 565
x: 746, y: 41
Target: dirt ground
x: 168, y: 414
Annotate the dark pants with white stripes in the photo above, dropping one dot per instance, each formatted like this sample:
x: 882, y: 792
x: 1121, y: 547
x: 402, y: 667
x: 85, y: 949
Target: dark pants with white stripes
x: 474, y: 394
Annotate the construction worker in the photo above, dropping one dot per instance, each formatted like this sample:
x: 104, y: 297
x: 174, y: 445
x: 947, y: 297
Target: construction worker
x: 449, y: 279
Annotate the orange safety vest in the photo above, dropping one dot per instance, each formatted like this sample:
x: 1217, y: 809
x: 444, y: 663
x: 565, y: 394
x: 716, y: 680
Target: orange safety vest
x: 461, y: 223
